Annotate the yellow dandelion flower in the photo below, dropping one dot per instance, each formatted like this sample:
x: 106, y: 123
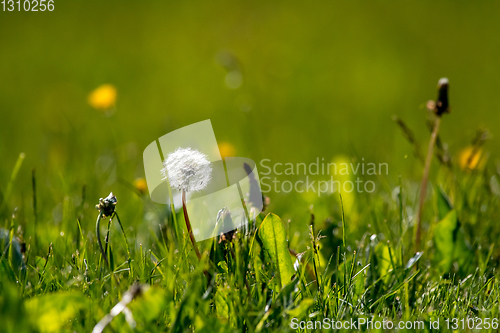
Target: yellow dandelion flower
x: 103, y: 97
x: 226, y: 149
x: 471, y: 158
x: 141, y: 185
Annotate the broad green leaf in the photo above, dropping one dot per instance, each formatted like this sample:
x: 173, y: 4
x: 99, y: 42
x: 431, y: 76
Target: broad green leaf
x: 39, y: 263
x: 52, y: 312
x: 12, y: 311
x: 450, y: 243
x: 273, y: 236
x: 221, y: 305
x: 150, y: 305
x: 443, y: 203
x: 301, y: 310
x: 384, y: 262
x: 444, y: 240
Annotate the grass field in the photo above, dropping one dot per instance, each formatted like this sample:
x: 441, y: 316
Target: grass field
x: 281, y: 83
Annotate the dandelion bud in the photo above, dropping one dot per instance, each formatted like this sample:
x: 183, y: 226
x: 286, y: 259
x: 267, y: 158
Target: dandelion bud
x: 107, y: 205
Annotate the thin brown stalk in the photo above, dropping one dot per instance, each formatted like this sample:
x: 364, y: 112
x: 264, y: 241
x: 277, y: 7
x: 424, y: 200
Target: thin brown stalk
x: 191, y: 236
x: 425, y: 178
x: 188, y: 225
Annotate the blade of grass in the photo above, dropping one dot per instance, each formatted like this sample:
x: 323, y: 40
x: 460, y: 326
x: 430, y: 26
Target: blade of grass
x: 12, y: 179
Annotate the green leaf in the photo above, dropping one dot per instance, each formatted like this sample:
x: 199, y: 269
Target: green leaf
x: 273, y: 236
x: 12, y: 311
x: 301, y: 310
x: 450, y: 243
x: 150, y: 305
x: 41, y: 263
x: 384, y: 263
x: 223, y: 266
x: 221, y: 305
x: 52, y: 312
x: 444, y: 205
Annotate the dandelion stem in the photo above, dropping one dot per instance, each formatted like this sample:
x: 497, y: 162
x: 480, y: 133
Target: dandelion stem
x: 425, y: 178
x: 174, y: 215
x: 98, y: 234
x: 188, y: 225
x: 191, y: 236
x: 106, y: 239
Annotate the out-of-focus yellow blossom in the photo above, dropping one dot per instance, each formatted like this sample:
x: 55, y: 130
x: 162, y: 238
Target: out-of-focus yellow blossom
x: 340, y: 171
x: 471, y: 158
x: 226, y: 149
x: 103, y: 97
x: 141, y: 185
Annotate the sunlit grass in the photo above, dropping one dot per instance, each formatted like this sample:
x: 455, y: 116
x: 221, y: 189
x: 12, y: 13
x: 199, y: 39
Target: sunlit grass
x: 60, y: 272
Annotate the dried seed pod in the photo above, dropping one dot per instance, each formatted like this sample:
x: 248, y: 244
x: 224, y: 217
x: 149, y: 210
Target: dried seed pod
x: 442, y: 105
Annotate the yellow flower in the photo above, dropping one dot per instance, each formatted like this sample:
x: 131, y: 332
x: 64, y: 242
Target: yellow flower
x: 226, y: 149
x: 471, y: 158
x: 141, y: 185
x: 103, y: 97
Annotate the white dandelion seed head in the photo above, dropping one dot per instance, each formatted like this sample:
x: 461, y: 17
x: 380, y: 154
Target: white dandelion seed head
x: 187, y: 170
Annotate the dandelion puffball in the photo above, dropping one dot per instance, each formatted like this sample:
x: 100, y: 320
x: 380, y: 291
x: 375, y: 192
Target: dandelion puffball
x: 187, y: 170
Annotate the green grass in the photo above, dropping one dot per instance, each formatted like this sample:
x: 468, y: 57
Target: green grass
x: 319, y: 80
x: 345, y: 271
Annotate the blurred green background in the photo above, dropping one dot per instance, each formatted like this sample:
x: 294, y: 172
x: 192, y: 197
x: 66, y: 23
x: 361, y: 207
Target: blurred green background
x: 314, y: 79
